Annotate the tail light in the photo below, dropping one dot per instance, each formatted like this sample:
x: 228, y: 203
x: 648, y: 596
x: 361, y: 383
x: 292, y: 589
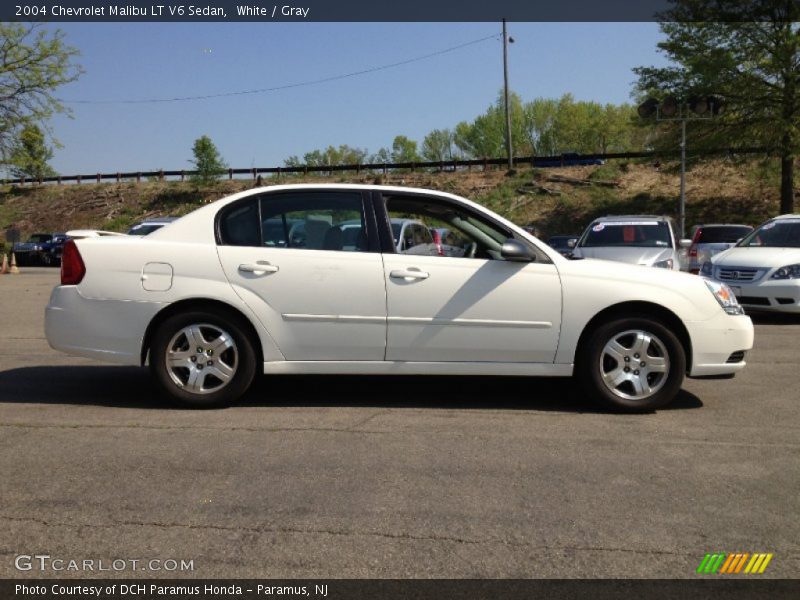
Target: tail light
x: 72, y: 267
x: 695, y: 239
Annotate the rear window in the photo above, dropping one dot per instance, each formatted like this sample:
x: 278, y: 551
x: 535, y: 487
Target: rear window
x: 722, y: 235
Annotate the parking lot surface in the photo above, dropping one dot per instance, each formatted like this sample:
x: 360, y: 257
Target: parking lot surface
x: 391, y: 477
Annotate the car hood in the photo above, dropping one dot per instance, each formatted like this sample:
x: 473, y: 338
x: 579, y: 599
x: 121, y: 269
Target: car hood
x: 757, y: 257
x: 626, y: 254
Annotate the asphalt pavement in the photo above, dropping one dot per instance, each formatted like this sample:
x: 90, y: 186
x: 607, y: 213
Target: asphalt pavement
x: 390, y: 477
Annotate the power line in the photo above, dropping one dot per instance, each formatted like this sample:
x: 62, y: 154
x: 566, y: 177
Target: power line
x: 290, y: 85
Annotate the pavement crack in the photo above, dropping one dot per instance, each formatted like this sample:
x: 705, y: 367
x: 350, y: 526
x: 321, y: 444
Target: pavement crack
x: 349, y: 533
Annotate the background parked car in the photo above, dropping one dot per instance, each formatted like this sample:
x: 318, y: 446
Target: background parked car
x: 40, y: 249
x: 563, y: 243
x: 150, y: 225
x: 763, y: 270
x: 568, y: 159
x: 640, y: 240
x: 708, y: 240
x: 448, y: 242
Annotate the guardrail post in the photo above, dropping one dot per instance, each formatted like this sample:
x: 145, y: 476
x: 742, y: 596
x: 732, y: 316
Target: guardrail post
x: 183, y: 175
x: 138, y: 177
x: 230, y: 173
x: 22, y: 181
x: 118, y: 176
x: 78, y: 179
x: 161, y: 174
x: 59, y: 180
x: 305, y: 169
x: 485, y: 164
x: 385, y: 170
x: 98, y: 178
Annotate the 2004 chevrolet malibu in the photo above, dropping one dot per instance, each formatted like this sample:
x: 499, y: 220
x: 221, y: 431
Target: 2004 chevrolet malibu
x: 309, y: 279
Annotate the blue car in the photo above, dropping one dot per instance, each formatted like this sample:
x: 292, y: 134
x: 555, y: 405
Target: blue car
x: 40, y: 249
x: 569, y: 159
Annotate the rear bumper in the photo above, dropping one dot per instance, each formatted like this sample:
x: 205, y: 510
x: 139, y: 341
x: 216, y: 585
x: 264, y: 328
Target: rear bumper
x: 715, y: 341
x: 107, y: 330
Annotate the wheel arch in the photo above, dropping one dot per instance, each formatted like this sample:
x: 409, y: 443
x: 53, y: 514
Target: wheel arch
x: 210, y: 305
x: 638, y: 309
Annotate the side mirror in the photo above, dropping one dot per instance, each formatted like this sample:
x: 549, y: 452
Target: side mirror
x: 515, y: 251
x: 571, y: 243
x: 685, y: 243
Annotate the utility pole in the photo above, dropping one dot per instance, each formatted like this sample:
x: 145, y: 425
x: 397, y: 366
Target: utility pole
x: 682, y: 207
x: 509, y: 148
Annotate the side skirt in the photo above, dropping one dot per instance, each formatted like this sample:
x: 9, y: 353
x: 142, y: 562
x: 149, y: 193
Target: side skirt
x: 417, y: 368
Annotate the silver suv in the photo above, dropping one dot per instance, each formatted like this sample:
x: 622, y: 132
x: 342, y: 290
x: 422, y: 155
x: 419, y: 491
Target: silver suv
x: 638, y: 239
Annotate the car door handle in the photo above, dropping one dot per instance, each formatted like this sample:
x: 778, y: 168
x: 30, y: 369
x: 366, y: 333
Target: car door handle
x: 409, y: 274
x: 260, y: 267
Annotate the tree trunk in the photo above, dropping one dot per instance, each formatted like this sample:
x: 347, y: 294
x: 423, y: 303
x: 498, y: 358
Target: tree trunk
x: 787, y: 184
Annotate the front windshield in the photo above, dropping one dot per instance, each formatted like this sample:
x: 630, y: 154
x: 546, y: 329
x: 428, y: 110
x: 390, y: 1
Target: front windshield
x: 634, y: 233
x: 784, y: 233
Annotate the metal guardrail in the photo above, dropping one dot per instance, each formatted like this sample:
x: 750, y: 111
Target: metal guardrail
x: 254, y: 172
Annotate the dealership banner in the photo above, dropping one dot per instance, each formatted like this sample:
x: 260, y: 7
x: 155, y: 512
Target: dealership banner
x: 390, y: 589
x: 371, y: 10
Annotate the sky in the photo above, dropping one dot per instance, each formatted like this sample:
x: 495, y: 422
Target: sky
x: 135, y: 61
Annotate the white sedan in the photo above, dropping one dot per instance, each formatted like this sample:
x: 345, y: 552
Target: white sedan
x: 763, y: 269
x: 226, y: 291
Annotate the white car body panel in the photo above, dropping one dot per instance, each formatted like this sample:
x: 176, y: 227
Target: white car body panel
x: 471, y: 310
x: 319, y: 304
x: 342, y: 312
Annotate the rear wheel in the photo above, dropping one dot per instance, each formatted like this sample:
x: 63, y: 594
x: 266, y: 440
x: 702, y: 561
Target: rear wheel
x: 633, y: 364
x: 200, y: 359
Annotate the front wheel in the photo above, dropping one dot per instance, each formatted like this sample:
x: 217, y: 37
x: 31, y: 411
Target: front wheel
x: 201, y: 359
x: 633, y: 364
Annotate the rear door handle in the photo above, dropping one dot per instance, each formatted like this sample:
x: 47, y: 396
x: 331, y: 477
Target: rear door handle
x: 261, y: 267
x: 409, y: 274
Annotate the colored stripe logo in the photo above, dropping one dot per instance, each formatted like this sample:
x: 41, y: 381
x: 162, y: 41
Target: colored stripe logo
x: 724, y: 563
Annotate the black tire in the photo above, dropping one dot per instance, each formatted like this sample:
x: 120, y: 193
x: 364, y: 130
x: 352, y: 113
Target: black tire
x: 195, y: 383
x: 644, y: 387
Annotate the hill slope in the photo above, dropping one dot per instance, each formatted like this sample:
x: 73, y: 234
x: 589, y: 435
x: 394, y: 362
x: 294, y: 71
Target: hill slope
x: 559, y: 200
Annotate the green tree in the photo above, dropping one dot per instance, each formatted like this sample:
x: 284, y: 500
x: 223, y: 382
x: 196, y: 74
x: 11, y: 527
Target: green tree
x: 746, y: 52
x: 207, y: 162
x: 404, y: 150
x: 33, y: 63
x: 30, y: 154
x: 438, y: 145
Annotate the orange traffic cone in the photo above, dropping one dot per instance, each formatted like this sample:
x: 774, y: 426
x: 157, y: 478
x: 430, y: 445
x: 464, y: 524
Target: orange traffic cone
x: 4, y: 267
x: 14, y: 270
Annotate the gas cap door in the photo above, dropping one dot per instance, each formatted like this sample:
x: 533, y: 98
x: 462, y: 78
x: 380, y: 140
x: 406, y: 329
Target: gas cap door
x: 157, y: 277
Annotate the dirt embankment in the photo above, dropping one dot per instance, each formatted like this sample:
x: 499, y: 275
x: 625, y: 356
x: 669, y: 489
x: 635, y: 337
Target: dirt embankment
x: 559, y: 200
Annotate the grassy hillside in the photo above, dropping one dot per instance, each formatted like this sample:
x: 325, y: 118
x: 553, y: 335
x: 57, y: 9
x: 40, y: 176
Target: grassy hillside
x: 555, y: 200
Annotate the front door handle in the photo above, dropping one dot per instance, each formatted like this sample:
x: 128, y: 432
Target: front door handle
x: 260, y: 267
x: 411, y: 273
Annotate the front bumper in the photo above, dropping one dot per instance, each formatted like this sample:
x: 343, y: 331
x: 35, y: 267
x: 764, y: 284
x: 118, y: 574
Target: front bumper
x: 718, y: 340
x: 107, y: 330
x: 776, y: 295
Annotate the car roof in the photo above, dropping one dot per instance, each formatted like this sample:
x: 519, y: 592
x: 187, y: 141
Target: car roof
x: 723, y: 225
x: 158, y: 220
x: 788, y: 216
x: 613, y: 218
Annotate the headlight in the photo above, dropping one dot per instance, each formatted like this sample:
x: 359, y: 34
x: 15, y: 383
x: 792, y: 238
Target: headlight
x: 787, y: 272
x: 705, y: 270
x: 664, y: 264
x: 37, y: 248
x: 725, y: 297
